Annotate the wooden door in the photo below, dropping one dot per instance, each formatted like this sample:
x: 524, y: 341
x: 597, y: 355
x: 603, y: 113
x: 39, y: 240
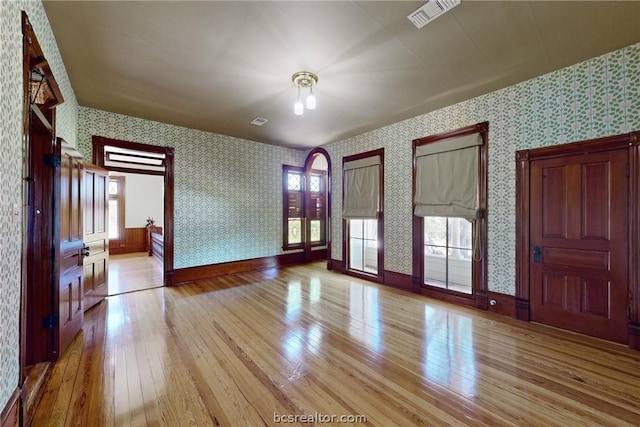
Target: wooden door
x: 96, y: 238
x: 70, y: 294
x: 579, y: 243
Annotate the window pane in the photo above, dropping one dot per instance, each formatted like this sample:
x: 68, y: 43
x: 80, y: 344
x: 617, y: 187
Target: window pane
x: 295, y: 205
x: 460, y: 270
x: 435, y: 231
x: 114, y: 226
x: 314, y: 183
x: 294, y: 181
x: 315, y: 231
x: 459, y: 233
x: 113, y: 188
x: 355, y: 228
x: 371, y: 229
x: 295, y: 231
x: 435, y: 266
x: 371, y: 256
x: 356, y: 261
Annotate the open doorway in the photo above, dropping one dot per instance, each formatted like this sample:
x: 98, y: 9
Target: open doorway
x: 140, y: 213
x: 136, y: 222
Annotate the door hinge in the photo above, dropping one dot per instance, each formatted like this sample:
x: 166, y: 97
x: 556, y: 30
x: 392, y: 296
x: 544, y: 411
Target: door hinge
x: 50, y: 321
x: 628, y: 312
x: 52, y: 160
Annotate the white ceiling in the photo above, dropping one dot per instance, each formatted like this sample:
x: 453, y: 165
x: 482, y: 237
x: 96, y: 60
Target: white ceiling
x: 216, y: 66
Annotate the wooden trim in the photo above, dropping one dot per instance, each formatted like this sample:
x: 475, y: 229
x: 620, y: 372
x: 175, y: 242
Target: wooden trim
x: 634, y: 232
x: 134, y: 240
x: 99, y: 143
x: 191, y: 274
x: 628, y: 141
x: 523, y: 309
x: 338, y: 266
x: 38, y: 285
x: 522, y: 233
x: 10, y: 415
x: 41, y: 117
x: 133, y: 170
x: 634, y: 336
x: 33, y: 57
x: 482, y: 128
x: 479, y: 270
x: 327, y: 223
x: 286, y: 246
x: 606, y: 143
x: 504, y: 304
x: 345, y: 231
x: 316, y: 255
x: 448, y: 296
x: 399, y: 281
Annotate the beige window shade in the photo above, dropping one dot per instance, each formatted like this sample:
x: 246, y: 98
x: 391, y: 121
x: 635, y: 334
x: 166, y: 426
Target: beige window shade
x: 361, y: 180
x: 447, y: 177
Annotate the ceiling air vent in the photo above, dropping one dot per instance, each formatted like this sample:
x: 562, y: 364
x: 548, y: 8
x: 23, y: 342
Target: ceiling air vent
x: 430, y: 11
x: 258, y: 121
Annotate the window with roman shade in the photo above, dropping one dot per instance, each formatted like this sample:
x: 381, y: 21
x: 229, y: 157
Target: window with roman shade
x: 447, y: 178
x: 361, y: 182
x: 450, y: 212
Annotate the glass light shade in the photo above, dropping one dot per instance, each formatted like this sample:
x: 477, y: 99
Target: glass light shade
x: 311, y: 101
x: 298, y: 108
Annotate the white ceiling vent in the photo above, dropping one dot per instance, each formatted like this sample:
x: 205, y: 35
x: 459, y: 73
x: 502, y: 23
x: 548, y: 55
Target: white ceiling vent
x: 258, y: 121
x: 430, y: 11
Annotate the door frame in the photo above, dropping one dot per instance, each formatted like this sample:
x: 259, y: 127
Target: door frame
x: 629, y: 141
x: 98, y: 144
x: 36, y: 277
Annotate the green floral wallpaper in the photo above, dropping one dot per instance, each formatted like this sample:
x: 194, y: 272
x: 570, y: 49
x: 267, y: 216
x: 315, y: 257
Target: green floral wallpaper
x: 595, y: 98
x: 228, y: 191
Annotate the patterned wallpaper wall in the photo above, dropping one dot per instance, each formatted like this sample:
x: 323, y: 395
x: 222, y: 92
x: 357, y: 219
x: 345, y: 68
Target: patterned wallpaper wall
x: 11, y: 166
x: 595, y: 98
x: 228, y: 191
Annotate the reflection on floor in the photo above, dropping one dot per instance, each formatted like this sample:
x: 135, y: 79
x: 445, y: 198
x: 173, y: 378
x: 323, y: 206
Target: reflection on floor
x: 261, y: 348
x: 133, y: 272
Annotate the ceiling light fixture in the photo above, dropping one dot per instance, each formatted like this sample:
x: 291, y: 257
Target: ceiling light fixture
x: 304, y: 79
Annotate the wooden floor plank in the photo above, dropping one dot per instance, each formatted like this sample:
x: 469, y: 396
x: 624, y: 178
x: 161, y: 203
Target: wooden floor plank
x: 245, y: 349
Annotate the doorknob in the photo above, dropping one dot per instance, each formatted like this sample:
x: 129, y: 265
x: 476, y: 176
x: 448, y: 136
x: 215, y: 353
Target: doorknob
x: 85, y: 251
x: 537, y: 254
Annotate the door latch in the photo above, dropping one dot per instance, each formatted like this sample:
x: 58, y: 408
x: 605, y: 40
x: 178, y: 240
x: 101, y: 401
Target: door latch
x: 537, y: 254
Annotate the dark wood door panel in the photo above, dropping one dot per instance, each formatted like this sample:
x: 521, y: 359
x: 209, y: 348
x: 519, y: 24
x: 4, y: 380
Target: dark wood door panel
x: 595, y: 201
x: 96, y: 240
x: 582, y: 258
x: 71, y: 314
x: 579, y: 229
x: 70, y: 304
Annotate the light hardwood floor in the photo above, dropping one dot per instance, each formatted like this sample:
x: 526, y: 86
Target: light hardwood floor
x: 133, y: 272
x: 235, y: 350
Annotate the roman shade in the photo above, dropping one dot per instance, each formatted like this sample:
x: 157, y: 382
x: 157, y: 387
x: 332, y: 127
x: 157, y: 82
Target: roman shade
x: 447, y: 177
x: 361, y: 181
